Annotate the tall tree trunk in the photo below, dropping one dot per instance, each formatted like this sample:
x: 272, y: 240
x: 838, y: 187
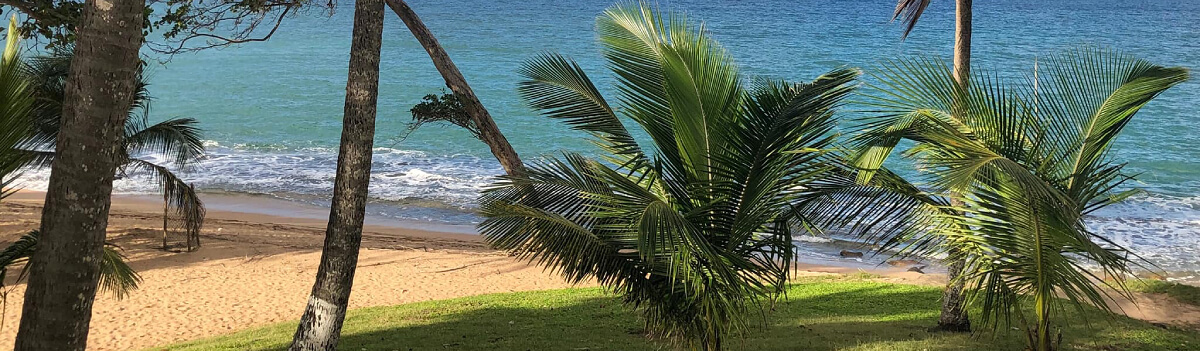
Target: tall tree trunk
x: 954, y: 312
x: 65, y: 269
x: 962, y: 41
x: 488, y: 131
x: 321, y: 325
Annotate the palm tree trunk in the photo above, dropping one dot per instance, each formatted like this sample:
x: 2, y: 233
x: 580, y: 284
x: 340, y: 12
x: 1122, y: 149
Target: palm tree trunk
x: 488, y: 131
x: 962, y: 41
x: 321, y: 324
x: 166, y: 214
x: 65, y: 269
x: 954, y: 312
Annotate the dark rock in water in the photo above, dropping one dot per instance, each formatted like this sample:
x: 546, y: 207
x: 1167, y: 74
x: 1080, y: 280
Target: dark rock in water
x: 918, y: 269
x: 847, y: 253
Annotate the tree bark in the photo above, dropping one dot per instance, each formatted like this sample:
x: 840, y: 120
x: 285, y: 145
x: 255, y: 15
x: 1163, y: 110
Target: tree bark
x: 321, y: 324
x: 65, y: 269
x: 488, y: 131
x: 954, y: 313
x: 962, y: 41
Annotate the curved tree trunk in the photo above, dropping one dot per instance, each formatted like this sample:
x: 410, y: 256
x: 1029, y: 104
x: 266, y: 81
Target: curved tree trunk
x: 954, y: 312
x: 321, y: 325
x: 65, y: 268
x: 488, y: 131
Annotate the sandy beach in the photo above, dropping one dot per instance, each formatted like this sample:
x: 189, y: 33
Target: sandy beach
x: 255, y: 269
x: 259, y: 257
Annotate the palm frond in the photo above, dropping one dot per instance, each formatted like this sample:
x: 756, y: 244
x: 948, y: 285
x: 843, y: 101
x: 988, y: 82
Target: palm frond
x: 908, y: 12
x: 176, y: 139
x: 698, y: 233
x: 1091, y: 95
x: 178, y: 194
x: 15, y: 103
x: 558, y: 87
x: 1027, y: 162
x: 116, y: 276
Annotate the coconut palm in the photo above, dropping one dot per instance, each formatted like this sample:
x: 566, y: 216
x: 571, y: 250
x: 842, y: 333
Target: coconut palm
x: 910, y: 11
x: 65, y: 269
x: 16, y: 105
x: 16, y: 101
x: 1028, y: 163
x: 695, y: 228
x: 954, y: 314
x: 176, y: 139
x: 116, y: 276
x: 321, y: 324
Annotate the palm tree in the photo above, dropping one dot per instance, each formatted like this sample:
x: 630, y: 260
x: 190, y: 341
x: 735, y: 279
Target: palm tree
x: 176, y: 139
x: 65, y: 269
x: 321, y: 324
x: 116, y: 276
x: 1027, y: 163
x: 954, y: 314
x: 16, y: 102
x: 696, y: 228
x: 909, y: 12
x: 479, y: 121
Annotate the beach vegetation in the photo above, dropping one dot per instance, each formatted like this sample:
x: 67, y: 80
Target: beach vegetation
x: 694, y: 227
x: 16, y: 102
x: 462, y: 107
x: 176, y: 140
x: 1026, y: 164
x: 1188, y: 294
x: 954, y: 314
x: 65, y: 269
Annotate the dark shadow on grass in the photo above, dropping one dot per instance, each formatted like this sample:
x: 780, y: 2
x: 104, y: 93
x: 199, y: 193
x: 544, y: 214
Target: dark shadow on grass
x: 826, y: 316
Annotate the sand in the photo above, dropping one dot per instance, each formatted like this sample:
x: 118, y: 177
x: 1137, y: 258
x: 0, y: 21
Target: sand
x: 259, y: 259
x: 256, y: 269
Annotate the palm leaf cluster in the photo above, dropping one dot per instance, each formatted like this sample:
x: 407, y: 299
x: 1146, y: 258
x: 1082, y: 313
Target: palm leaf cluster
x: 16, y: 102
x: 177, y: 140
x: 1028, y: 162
x: 694, y: 229
x: 116, y: 276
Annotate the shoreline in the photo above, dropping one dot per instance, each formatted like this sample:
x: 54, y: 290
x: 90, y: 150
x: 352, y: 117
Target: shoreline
x: 256, y: 268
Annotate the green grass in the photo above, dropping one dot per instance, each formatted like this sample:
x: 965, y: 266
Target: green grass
x: 1184, y: 293
x: 818, y: 314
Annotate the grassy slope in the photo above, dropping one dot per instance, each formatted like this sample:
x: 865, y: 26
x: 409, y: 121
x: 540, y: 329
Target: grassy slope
x: 820, y: 314
x: 1184, y: 293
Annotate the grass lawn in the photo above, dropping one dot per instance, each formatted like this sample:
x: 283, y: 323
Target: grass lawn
x: 818, y: 314
x: 1184, y: 293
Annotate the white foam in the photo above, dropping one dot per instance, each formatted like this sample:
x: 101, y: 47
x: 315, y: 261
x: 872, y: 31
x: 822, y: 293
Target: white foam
x: 1162, y: 228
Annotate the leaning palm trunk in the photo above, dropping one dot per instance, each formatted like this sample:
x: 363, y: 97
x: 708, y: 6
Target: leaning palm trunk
x: 65, y: 269
x: 320, y: 326
x: 486, y: 128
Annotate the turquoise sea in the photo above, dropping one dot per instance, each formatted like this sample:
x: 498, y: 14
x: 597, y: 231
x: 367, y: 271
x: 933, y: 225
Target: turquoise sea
x: 272, y: 111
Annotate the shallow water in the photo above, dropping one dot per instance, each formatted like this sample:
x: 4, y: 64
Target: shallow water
x: 271, y: 111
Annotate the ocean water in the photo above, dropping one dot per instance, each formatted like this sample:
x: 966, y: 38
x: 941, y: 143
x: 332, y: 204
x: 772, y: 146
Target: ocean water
x: 271, y: 111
